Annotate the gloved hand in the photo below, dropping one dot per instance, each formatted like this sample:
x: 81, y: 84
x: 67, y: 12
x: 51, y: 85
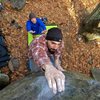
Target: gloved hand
x: 55, y: 78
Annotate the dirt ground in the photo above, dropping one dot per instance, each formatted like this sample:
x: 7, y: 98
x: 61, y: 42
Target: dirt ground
x: 67, y: 14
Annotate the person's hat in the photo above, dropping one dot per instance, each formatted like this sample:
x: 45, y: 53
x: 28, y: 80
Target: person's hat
x: 54, y: 34
x: 32, y: 15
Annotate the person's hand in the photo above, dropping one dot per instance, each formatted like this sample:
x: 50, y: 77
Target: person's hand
x: 31, y: 31
x: 55, y: 78
x: 45, y: 31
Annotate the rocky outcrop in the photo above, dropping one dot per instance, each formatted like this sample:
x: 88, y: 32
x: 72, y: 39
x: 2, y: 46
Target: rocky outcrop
x: 35, y: 87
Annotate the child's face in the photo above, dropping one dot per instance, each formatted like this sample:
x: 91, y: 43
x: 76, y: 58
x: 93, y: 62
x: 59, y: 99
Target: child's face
x: 33, y: 20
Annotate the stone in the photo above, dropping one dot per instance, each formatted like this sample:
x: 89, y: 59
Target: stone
x: 4, y: 80
x: 15, y: 63
x: 35, y: 87
x: 77, y: 75
x: 96, y: 73
x: 18, y: 4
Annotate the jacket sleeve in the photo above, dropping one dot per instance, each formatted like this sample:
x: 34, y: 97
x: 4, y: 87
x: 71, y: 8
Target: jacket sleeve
x: 28, y: 26
x: 40, y: 56
x: 41, y: 24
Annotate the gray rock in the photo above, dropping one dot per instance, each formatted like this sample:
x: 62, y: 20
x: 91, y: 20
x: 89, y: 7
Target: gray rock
x: 77, y: 75
x: 4, y: 80
x: 15, y: 62
x: 36, y: 88
x: 18, y: 4
x: 96, y: 73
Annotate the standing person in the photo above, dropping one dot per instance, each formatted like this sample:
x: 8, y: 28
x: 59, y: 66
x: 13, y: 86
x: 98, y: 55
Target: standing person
x: 35, y: 26
x: 45, y: 51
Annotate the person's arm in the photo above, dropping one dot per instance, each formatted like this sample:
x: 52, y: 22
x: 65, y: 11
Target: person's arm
x: 55, y: 78
x: 42, y: 25
x: 28, y: 27
x: 58, y: 64
x: 58, y: 57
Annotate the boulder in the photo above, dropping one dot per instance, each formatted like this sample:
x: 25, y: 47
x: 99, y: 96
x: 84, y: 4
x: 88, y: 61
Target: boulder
x: 35, y: 87
x: 18, y: 4
x: 4, y: 80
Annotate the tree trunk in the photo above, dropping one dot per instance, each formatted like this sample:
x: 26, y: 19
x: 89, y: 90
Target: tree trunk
x: 91, y: 23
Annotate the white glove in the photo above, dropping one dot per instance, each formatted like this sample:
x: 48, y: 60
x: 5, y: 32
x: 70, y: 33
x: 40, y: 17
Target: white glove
x: 55, y: 78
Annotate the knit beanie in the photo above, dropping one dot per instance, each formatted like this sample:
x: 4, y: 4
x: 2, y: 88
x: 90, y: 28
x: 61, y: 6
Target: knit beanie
x: 32, y: 15
x: 54, y: 34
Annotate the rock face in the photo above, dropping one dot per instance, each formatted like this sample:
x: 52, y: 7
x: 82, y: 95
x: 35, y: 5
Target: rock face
x: 77, y: 87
